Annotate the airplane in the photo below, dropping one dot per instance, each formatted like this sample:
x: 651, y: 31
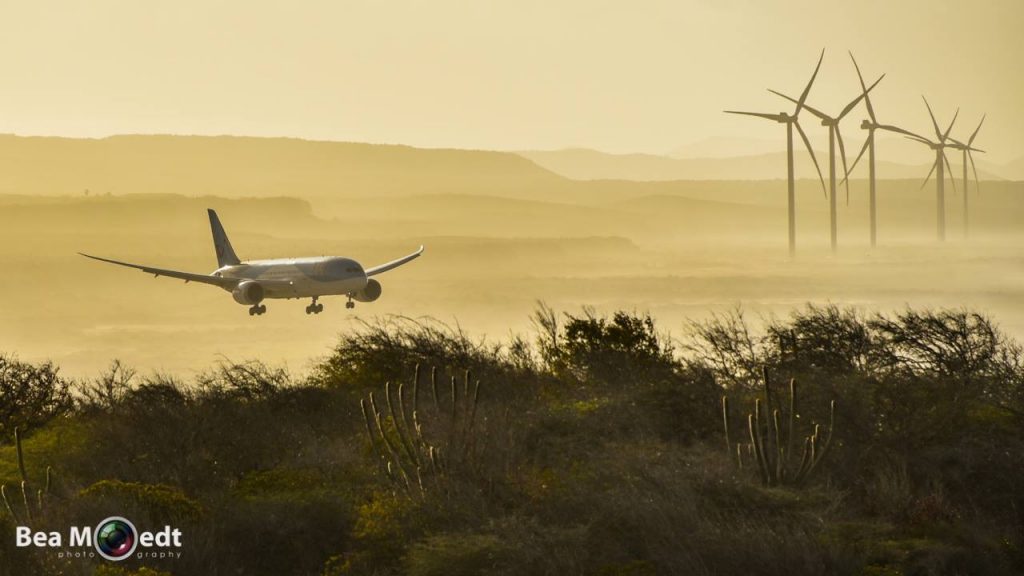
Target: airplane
x: 253, y: 281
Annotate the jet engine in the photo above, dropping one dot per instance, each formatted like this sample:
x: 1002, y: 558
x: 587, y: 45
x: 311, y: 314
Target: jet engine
x: 248, y: 292
x: 369, y: 293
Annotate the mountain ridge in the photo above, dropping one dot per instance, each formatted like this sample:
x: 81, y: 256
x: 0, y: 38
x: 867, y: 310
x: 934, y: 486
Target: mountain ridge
x: 588, y: 164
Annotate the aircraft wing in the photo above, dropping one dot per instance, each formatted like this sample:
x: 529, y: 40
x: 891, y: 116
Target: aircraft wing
x: 394, y: 263
x: 229, y: 283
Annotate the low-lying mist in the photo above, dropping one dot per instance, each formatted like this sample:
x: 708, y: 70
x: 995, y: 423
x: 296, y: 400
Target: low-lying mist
x: 488, y: 260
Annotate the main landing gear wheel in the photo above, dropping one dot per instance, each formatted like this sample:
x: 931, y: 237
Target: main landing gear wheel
x: 257, y: 310
x: 314, y: 308
x: 350, y: 304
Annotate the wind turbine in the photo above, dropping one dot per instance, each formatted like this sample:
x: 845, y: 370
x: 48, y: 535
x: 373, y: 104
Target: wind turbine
x: 790, y: 121
x: 939, y: 167
x: 833, y: 135
x: 871, y: 125
x: 967, y: 150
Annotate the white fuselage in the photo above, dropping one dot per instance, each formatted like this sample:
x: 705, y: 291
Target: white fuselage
x: 300, y: 277
x: 256, y: 280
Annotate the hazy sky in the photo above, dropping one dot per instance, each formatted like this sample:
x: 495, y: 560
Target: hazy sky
x: 646, y: 75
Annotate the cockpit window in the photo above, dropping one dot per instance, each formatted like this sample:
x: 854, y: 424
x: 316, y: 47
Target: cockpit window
x: 341, y: 267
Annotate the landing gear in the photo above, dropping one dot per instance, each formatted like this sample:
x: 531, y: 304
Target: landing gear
x: 350, y: 304
x: 314, y: 308
x: 258, y: 310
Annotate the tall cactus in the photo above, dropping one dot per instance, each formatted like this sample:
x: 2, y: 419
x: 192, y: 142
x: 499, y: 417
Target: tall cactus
x: 770, y: 448
x: 419, y: 450
x: 41, y: 495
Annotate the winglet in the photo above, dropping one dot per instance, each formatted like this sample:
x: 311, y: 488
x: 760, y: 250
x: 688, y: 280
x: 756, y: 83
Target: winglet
x: 225, y: 253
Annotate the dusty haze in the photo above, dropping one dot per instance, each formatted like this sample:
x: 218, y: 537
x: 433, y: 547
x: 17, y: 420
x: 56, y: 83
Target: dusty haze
x: 503, y: 114
x: 501, y: 233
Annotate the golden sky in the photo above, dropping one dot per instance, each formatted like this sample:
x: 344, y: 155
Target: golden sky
x: 641, y: 76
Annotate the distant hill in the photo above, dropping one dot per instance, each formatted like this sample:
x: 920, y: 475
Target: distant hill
x: 333, y: 174
x: 891, y: 148
x: 585, y: 164
x: 153, y: 214
x: 1015, y: 169
x: 726, y: 147
x: 241, y: 166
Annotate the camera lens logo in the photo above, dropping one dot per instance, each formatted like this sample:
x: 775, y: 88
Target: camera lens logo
x: 116, y: 538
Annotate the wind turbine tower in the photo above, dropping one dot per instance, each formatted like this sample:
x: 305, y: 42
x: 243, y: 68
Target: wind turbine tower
x: 939, y: 168
x: 968, y: 150
x: 834, y: 135
x: 791, y: 121
x: 871, y: 124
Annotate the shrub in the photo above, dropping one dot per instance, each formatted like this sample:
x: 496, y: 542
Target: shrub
x: 158, y: 501
x: 458, y: 555
x: 30, y: 395
x: 938, y: 392
x: 387, y: 349
x: 107, y: 391
x: 621, y: 350
x: 246, y: 380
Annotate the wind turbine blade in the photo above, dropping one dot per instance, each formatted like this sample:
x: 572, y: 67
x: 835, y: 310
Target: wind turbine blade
x: 946, y: 135
x: 916, y: 138
x: 842, y: 154
x: 863, y: 94
x: 807, y: 89
x: 851, y: 106
x: 776, y: 117
x: 777, y: 93
x: 971, y: 139
x: 863, y: 88
x: 817, y: 113
x: 938, y: 133
x: 872, y: 87
x: 930, y: 172
x: 859, y: 156
x: 949, y: 169
x: 810, y: 151
x: 977, y: 183
x: 898, y: 130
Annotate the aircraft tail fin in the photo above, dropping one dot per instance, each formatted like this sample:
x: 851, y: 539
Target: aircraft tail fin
x: 225, y: 253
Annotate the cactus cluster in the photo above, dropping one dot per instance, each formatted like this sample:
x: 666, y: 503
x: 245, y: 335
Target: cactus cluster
x: 28, y: 498
x: 770, y: 450
x: 419, y: 447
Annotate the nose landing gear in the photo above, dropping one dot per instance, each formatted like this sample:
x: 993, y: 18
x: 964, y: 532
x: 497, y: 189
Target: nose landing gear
x: 314, y: 308
x: 258, y: 310
x: 350, y: 304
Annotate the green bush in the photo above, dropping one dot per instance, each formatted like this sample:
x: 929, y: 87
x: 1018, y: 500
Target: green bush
x: 458, y: 555
x: 30, y: 395
x: 598, y: 449
x: 167, y: 503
